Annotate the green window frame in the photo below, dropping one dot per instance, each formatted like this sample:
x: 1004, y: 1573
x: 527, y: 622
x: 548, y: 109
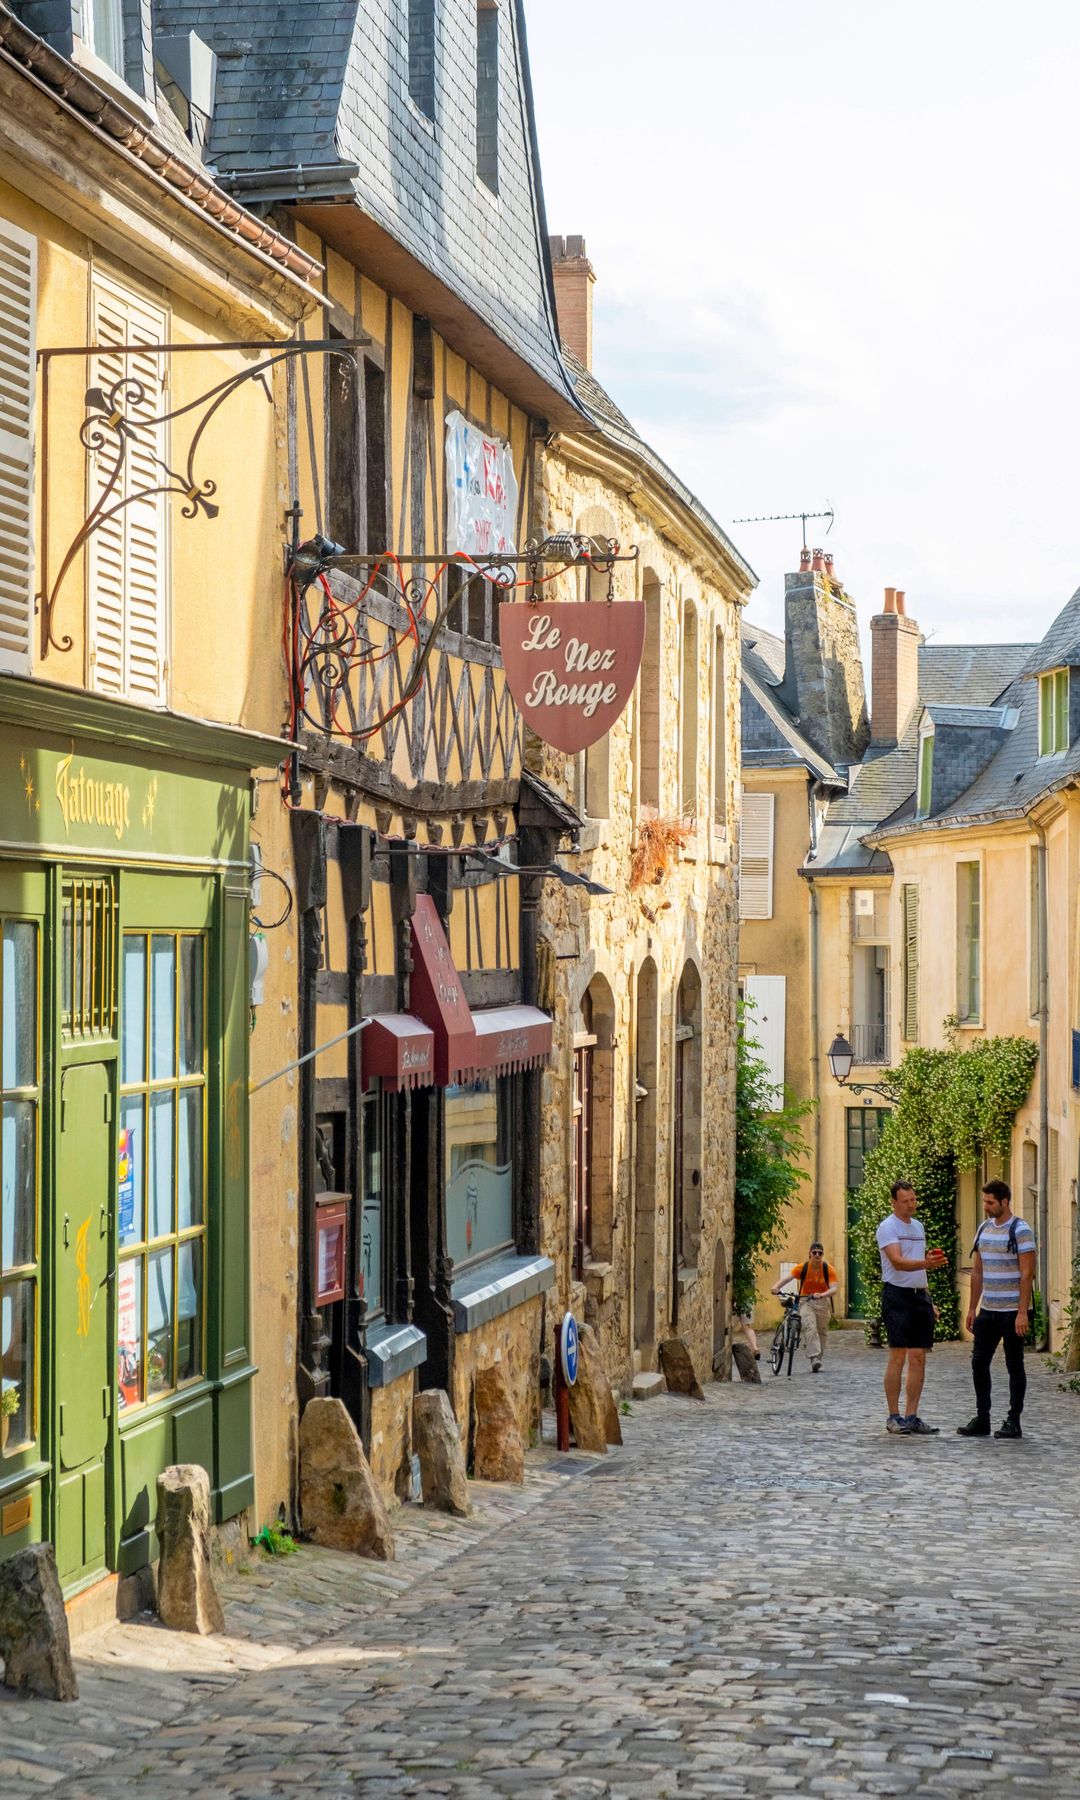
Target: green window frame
x: 163, y: 1173
x: 926, y: 772
x: 969, y: 942
x: 20, y: 1181
x: 1053, y: 712
x: 864, y: 1127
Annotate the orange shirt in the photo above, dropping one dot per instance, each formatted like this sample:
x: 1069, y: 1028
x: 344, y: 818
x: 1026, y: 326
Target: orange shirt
x: 803, y: 1276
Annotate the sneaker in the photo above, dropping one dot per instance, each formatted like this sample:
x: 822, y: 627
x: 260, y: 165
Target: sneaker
x: 975, y: 1427
x: 919, y: 1428
x: 1010, y: 1429
x: 815, y: 1366
x: 897, y: 1424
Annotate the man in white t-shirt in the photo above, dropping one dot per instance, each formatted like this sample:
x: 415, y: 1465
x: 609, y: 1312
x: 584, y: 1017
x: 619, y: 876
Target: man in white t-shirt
x: 907, y: 1311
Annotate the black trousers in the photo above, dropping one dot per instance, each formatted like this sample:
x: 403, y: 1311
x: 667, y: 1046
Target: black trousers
x: 991, y: 1329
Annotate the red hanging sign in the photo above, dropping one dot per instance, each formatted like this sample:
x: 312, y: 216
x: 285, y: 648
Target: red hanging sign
x: 571, y: 667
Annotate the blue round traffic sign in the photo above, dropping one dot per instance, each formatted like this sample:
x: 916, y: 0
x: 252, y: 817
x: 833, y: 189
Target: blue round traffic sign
x: 568, y: 1348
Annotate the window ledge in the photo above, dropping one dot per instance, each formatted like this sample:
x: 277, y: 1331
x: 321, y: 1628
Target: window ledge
x: 599, y: 1278
x: 496, y: 1287
x: 688, y: 1280
x: 393, y: 1350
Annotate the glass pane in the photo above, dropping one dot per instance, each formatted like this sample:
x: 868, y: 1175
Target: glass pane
x: 17, y: 1184
x: 159, y: 1334
x: 189, y: 1174
x: 16, y: 1365
x: 371, y: 1252
x: 191, y: 1006
x: 65, y: 960
x: 133, y: 1025
x: 162, y: 1008
x: 131, y: 1168
x: 20, y: 1004
x: 129, y: 1358
x: 160, y: 1198
x: 189, y: 1308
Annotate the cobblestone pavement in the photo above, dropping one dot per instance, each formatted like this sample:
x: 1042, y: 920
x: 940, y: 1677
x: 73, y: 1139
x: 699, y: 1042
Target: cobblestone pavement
x: 760, y: 1594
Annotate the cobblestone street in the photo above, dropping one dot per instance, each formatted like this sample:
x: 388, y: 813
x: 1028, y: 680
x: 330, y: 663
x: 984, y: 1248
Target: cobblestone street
x: 760, y: 1594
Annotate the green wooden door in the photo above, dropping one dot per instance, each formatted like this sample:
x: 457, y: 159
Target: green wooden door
x: 83, y: 1386
x: 864, y: 1125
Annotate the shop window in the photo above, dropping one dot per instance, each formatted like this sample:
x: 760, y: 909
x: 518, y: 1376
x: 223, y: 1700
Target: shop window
x: 479, y: 1171
x: 19, y: 1163
x: 87, y: 960
x: 162, y: 1165
x: 372, y: 1280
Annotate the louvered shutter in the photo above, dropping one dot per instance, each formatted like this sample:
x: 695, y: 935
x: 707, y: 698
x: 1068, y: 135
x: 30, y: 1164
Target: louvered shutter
x: 127, y: 565
x: 18, y: 306
x: 910, y: 916
x: 756, y: 856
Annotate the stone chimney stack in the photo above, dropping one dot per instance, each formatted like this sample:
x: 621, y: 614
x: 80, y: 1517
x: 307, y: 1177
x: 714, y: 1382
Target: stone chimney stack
x: 823, y: 674
x: 894, y: 681
x: 574, y: 280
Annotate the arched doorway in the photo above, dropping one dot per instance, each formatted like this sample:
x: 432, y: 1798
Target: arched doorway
x: 686, y: 1131
x: 592, y: 1173
x: 646, y: 1076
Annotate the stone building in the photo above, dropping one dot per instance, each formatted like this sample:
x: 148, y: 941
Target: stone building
x: 637, y: 1151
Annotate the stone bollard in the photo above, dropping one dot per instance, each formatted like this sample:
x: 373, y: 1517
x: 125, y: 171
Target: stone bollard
x: 498, y: 1448
x: 678, y: 1369
x: 186, y: 1596
x: 590, y: 1397
x: 746, y: 1363
x: 442, y: 1462
x: 341, y: 1506
x: 34, y: 1641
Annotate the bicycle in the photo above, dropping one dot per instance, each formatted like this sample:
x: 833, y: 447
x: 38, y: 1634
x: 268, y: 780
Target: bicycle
x: 788, y: 1332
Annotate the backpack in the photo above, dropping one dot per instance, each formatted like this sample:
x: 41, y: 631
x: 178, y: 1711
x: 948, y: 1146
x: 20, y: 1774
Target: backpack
x: 829, y: 1274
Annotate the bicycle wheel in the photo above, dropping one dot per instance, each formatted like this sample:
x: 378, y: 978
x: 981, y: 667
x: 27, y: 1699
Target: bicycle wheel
x: 776, y: 1354
x: 794, y: 1334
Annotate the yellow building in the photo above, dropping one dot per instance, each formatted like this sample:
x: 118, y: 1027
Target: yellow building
x: 139, y: 581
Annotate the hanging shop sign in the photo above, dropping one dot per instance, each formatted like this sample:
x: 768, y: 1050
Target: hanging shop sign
x: 571, y: 666
x: 482, y: 491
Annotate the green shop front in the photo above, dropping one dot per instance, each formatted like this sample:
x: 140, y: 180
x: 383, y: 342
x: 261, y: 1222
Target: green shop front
x: 124, y: 1262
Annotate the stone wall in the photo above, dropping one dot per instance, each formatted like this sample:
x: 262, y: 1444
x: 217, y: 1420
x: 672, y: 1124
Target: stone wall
x: 630, y: 952
x: 391, y: 1437
x: 512, y: 1341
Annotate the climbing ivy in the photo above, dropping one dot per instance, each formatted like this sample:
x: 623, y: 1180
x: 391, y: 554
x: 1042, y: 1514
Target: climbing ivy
x: 955, y: 1106
x: 768, y: 1147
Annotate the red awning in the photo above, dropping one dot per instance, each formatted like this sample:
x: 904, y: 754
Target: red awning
x: 437, y: 994
x: 512, y: 1037
x: 400, y: 1050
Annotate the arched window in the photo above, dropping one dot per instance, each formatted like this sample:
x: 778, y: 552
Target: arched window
x: 686, y: 1125
x: 646, y: 1078
x: 688, y: 700
x: 719, y: 703
x: 649, y: 698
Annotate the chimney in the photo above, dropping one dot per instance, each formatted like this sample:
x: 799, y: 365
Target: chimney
x: 823, y: 673
x: 574, y: 279
x: 894, y: 680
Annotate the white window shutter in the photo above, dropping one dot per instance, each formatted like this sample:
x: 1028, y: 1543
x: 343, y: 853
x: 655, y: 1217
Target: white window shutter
x: 766, y: 1024
x: 18, y: 405
x: 756, y: 856
x: 127, y: 563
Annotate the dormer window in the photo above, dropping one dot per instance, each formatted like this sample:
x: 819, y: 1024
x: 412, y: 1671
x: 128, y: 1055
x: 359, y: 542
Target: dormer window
x: 926, y: 773
x: 1053, y: 712
x: 106, y: 21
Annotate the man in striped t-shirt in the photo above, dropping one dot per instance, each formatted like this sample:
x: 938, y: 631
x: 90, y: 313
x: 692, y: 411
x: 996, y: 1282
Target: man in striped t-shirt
x: 1002, y: 1277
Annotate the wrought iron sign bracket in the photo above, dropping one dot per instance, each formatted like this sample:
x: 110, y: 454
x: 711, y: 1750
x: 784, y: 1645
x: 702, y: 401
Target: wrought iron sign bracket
x: 109, y: 428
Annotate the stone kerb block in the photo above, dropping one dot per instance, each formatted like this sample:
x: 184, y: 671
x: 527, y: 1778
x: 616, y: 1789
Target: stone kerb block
x: 341, y: 1506
x: 498, y: 1447
x: 34, y: 1641
x: 443, y: 1480
x: 187, y: 1599
x: 678, y: 1369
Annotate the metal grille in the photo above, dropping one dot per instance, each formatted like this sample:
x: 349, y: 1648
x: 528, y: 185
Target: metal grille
x: 88, y: 959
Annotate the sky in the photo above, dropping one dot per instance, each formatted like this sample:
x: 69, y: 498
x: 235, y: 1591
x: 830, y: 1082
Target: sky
x: 837, y: 250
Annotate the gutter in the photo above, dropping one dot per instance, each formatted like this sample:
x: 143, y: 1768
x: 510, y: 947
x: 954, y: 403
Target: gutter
x: 1043, y: 1203
x: 77, y: 94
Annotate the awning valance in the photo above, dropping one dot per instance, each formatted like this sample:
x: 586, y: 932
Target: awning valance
x: 439, y: 999
x: 512, y: 1037
x: 400, y: 1050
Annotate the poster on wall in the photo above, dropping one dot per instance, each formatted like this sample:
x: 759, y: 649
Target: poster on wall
x: 571, y: 666
x: 127, y: 1333
x: 481, y: 491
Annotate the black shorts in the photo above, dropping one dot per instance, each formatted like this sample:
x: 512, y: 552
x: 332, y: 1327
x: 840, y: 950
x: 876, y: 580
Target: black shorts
x: 908, y: 1317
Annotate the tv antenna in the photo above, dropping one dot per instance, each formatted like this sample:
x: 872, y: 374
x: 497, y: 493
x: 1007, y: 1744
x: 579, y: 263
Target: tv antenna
x: 778, y: 518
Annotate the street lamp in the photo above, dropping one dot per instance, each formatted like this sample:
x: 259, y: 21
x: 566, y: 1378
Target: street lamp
x: 841, y: 1057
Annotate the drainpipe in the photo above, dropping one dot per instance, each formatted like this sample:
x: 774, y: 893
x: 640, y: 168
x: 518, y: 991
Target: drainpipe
x: 815, y: 1061
x: 1043, y: 1226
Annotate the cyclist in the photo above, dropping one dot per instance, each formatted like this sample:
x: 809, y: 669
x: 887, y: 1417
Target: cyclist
x: 816, y: 1285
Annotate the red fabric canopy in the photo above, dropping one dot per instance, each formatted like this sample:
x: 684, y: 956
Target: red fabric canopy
x: 400, y: 1050
x: 512, y: 1037
x: 439, y: 999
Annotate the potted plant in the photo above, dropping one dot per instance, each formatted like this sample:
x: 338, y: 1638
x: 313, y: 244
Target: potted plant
x: 9, y: 1406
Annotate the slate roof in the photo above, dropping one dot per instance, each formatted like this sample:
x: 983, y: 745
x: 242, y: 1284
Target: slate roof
x: 763, y: 654
x: 317, y: 92
x: 615, y: 425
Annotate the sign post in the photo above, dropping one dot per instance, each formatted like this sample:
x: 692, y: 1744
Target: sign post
x: 566, y: 1367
